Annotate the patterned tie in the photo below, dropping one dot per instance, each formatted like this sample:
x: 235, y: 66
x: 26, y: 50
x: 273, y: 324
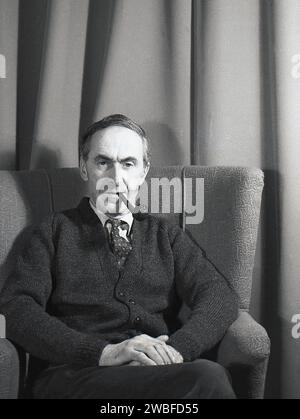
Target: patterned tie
x: 120, y: 246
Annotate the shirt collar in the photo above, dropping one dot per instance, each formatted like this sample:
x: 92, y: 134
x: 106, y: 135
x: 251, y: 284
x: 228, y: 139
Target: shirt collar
x: 128, y: 218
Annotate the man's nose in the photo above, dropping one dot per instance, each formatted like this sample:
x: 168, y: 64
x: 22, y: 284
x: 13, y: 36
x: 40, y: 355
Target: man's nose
x: 116, y: 175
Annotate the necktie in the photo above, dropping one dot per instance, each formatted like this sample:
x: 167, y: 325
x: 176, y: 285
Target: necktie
x: 120, y: 246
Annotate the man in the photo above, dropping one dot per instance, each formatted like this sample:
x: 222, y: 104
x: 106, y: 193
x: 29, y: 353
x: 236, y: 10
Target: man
x: 96, y: 292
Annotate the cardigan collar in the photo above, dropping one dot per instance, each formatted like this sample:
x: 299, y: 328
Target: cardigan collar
x: 96, y: 235
x: 89, y: 216
x: 127, y: 218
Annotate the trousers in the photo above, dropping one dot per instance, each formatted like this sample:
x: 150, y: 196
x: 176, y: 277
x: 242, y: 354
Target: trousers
x: 199, y: 379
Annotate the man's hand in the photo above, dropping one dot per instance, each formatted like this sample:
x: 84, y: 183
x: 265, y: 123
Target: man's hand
x: 176, y: 357
x: 140, y: 350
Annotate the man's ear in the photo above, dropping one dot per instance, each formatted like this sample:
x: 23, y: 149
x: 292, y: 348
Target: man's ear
x: 143, y: 177
x: 146, y: 170
x: 83, y: 170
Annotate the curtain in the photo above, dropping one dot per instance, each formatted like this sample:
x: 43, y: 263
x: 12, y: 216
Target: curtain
x: 74, y: 61
x: 8, y: 82
x: 214, y: 82
x: 246, y: 103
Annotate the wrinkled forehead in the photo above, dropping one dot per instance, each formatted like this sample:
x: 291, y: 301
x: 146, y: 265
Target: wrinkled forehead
x: 117, y: 143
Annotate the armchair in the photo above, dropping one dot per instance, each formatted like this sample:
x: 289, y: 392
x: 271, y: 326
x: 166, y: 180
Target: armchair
x: 232, y: 198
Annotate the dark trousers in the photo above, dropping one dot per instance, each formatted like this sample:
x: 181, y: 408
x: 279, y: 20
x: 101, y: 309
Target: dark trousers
x: 200, y: 379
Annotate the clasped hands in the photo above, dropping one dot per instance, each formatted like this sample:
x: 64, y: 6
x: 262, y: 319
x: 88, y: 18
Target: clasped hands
x: 140, y: 350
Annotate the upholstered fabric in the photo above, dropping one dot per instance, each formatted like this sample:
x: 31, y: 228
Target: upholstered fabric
x: 172, y: 173
x: 9, y: 370
x: 232, y: 199
x: 25, y: 198
x: 246, y: 344
x: 231, y: 214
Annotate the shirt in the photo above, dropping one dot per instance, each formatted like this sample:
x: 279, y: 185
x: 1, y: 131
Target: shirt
x: 127, y: 218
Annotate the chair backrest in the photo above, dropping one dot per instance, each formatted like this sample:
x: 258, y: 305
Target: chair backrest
x: 25, y: 198
x: 228, y: 232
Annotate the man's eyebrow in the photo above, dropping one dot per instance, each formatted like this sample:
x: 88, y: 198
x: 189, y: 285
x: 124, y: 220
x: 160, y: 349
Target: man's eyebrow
x: 103, y: 157
x: 130, y: 158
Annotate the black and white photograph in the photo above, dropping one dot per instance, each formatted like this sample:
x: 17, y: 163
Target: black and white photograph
x: 149, y: 202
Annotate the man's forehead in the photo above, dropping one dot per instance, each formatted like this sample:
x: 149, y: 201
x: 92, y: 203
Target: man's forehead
x: 116, y: 139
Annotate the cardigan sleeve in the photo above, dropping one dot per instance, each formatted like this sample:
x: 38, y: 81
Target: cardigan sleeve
x: 23, y: 302
x: 213, y: 304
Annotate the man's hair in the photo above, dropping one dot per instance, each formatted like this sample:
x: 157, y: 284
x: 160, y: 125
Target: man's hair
x: 116, y: 120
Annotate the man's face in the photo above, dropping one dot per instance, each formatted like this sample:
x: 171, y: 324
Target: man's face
x: 114, y: 165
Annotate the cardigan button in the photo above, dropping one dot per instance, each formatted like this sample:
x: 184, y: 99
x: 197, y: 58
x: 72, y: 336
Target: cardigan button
x: 137, y: 319
x: 121, y: 294
x: 131, y: 301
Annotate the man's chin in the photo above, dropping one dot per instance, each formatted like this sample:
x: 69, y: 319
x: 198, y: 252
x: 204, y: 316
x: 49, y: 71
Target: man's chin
x: 114, y: 211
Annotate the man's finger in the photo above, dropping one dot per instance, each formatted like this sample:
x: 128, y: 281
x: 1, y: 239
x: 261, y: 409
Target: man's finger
x: 162, y: 350
x: 175, y: 354
x: 135, y: 363
x: 171, y: 353
x: 155, y: 341
x: 142, y: 358
x: 163, y: 338
x: 154, y: 355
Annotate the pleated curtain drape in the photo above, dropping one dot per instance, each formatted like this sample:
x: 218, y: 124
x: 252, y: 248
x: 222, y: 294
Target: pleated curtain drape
x: 246, y: 108
x: 74, y: 61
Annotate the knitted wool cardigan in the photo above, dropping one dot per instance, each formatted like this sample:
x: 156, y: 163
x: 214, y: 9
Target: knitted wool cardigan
x: 66, y: 298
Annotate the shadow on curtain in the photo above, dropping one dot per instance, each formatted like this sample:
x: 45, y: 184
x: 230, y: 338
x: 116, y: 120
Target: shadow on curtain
x: 99, y: 28
x: 271, y: 202
x: 32, y: 35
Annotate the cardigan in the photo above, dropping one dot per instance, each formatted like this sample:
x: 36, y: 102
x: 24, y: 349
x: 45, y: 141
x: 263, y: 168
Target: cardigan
x: 66, y: 298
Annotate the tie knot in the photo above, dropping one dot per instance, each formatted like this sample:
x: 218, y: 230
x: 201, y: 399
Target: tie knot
x: 114, y: 222
x: 118, y: 223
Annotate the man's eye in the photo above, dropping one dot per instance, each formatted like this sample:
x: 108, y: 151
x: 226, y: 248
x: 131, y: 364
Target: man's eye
x: 128, y: 164
x: 102, y: 163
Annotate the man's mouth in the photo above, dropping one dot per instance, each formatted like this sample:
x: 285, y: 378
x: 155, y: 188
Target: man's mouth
x: 122, y: 198
x: 109, y: 193
x: 128, y: 204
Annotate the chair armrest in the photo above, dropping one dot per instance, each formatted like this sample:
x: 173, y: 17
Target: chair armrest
x: 9, y: 370
x: 245, y: 343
